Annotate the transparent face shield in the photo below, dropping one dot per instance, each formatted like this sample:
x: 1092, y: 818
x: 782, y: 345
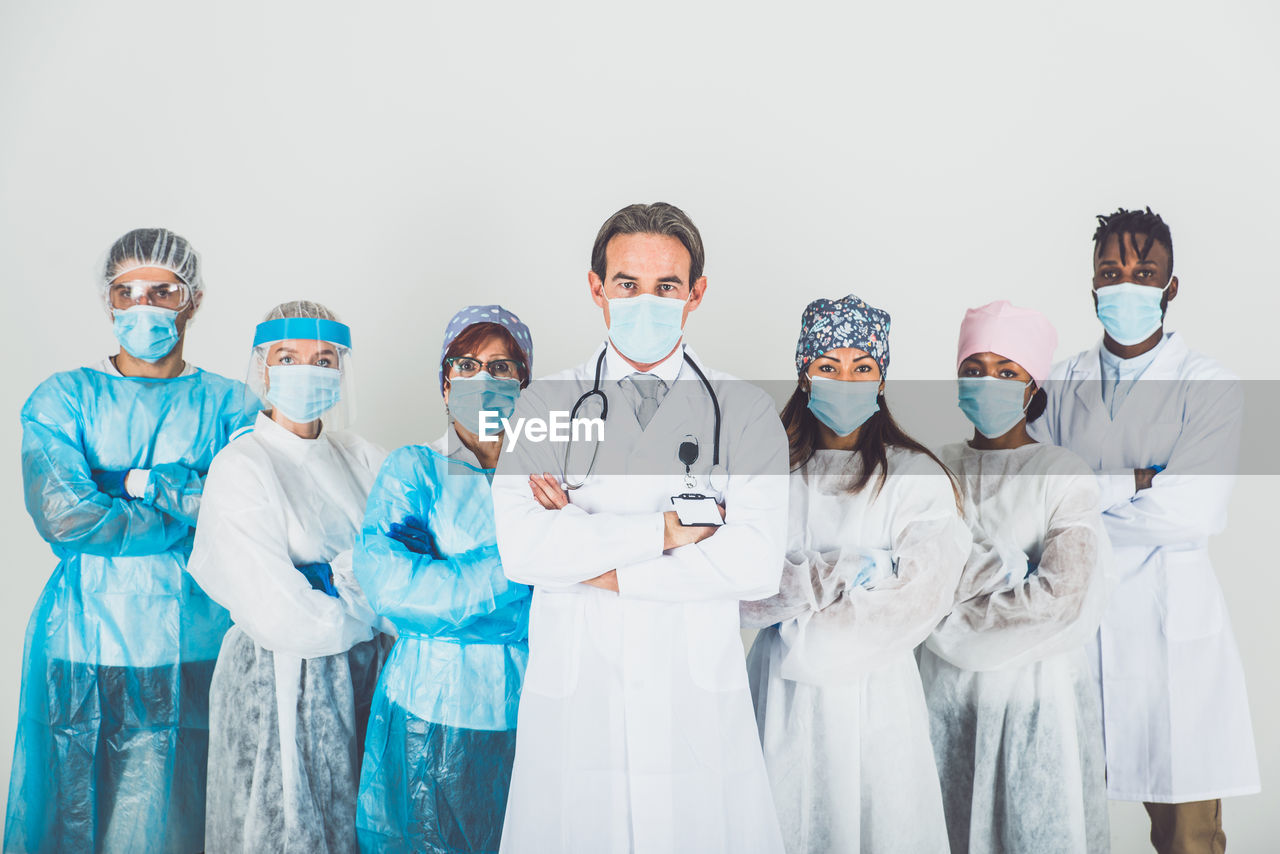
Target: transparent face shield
x: 301, y: 368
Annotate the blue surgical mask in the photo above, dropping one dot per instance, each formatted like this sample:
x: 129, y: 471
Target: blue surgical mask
x: 1129, y: 312
x: 303, y: 393
x: 842, y: 405
x: 645, y: 328
x: 146, y: 332
x: 469, y: 396
x: 993, y: 404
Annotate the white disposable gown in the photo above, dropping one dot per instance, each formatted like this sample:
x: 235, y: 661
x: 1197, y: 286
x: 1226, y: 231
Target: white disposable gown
x: 635, y: 731
x: 1175, y: 712
x: 296, y: 673
x: 1014, y: 711
x: 838, y: 699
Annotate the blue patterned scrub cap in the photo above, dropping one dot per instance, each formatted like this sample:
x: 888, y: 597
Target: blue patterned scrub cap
x: 474, y: 314
x: 846, y: 322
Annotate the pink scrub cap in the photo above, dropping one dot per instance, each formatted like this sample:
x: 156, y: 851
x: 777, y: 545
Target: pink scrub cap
x: 1023, y: 335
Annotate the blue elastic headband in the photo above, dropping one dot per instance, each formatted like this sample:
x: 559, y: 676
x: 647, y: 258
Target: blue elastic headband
x: 307, y: 328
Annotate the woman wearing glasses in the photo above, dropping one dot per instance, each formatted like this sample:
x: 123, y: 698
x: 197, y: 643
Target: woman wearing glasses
x: 442, y: 730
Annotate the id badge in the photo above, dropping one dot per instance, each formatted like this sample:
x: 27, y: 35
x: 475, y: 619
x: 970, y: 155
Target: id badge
x: 697, y: 510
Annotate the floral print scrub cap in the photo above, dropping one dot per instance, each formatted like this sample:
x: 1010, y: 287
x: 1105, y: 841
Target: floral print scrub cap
x: 473, y: 314
x: 846, y: 322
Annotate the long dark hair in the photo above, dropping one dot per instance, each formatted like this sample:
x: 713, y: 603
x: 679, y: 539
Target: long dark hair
x: 877, y: 434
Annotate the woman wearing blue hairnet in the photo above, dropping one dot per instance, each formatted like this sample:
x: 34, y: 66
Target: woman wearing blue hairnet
x: 296, y: 672
x: 442, y: 731
x: 113, y: 729
x: 876, y: 545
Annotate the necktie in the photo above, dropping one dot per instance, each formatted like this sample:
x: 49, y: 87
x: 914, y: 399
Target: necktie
x: 648, y: 387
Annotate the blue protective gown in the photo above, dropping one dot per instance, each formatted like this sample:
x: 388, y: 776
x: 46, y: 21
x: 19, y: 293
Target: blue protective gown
x: 441, y: 737
x: 113, y: 724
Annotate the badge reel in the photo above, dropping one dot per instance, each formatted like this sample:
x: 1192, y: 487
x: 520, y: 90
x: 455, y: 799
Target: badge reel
x: 693, y: 508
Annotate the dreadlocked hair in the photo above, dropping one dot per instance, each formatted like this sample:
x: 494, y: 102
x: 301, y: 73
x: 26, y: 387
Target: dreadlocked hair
x: 876, y: 435
x: 1133, y: 223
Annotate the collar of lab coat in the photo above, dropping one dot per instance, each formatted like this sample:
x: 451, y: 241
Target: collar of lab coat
x: 1086, y: 372
x: 286, y: 440
x: 1129, y: 369
x: 617, y: 368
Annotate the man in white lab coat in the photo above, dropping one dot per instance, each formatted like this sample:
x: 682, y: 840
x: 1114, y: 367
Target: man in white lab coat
x: 636, y: 731
x: 1160, y: 424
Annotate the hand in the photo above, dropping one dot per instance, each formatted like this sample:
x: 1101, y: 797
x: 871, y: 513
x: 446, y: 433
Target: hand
x: 321, y: 577
x: 1142, y: 478
x: 111, y: 483
x: 548, y: 492
x: 412, y: 533
x: 608, y: 581
x: 857, y: 569
x: 675, y: 535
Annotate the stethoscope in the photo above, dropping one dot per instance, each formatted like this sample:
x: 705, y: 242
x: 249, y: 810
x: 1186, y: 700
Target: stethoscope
x: 688, y: 453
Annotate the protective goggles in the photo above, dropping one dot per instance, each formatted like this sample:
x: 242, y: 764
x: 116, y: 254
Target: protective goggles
x: 170, y: 295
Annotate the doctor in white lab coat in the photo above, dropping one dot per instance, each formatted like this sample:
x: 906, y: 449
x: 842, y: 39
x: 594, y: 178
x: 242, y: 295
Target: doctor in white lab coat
x: 1160, y: 424
x: 635, y: 730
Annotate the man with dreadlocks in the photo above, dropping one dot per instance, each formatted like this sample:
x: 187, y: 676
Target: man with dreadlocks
x: 1160, y: 424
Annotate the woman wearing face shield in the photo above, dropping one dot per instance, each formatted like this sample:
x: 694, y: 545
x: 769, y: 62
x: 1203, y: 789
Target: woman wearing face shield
x: 1014, y: 711
x: 876, y: 544
x: 113, y: 726
x: 442, y: 731
x: 290, y: 693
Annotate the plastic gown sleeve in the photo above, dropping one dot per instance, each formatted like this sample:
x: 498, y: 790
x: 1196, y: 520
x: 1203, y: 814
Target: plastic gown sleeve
x: 69, y: 511
x: 810, y: 582
x: 241, y: 559
x: 991, y: 563
x: 353, y: 595
x: 175, y: 489
x: 416, y: 592
x: 1057, y: 608
x: 867, y: 627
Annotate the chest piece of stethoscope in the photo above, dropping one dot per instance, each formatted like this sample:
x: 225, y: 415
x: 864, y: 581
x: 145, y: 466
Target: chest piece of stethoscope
x: 718, y: 479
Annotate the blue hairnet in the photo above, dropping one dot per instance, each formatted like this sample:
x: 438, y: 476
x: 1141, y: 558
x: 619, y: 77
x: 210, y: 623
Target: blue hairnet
x: 474, y: 314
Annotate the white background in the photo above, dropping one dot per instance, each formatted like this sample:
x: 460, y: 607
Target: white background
x: 399, y: 160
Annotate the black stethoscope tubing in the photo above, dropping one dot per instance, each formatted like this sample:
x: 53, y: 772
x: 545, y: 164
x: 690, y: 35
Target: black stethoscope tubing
x: 604, y: 400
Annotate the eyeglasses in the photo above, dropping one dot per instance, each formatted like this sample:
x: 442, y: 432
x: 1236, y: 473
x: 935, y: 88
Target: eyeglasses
x: 171, y: 295
x: 501, y: 369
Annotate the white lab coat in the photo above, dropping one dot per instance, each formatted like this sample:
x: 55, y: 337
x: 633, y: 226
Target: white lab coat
x: 1014, y: 710
x: 838, y: 698
x: 635, y: 728
x: 286, y: 778
x: 1175, y: 713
